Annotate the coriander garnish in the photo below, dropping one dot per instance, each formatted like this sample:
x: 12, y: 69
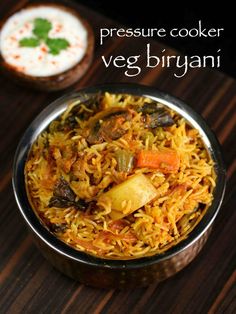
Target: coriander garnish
x: 41, y: 30
x: 55, y: 45
x: 29, y: 42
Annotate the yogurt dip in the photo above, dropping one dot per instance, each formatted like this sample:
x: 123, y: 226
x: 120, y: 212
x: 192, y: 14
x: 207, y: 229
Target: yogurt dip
x: 38, y: 61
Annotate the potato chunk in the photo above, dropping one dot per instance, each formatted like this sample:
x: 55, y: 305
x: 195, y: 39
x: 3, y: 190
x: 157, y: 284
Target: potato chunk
x: 129, y: 195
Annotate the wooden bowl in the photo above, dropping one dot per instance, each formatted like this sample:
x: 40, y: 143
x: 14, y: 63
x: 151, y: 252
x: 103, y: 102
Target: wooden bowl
x: 61, y: 80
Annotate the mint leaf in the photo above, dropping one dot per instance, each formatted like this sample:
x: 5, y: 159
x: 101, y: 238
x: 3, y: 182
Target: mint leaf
x: 42, y: 28
x: 55, y: 45
x: 29, y: 42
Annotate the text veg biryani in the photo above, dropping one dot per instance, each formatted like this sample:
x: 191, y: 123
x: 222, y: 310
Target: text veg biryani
x: 119, y: 176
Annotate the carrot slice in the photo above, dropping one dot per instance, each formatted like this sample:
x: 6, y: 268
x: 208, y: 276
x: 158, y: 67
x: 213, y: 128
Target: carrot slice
x: 166, y: 160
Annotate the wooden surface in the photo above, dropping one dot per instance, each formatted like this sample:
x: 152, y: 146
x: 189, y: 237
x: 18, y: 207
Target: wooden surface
x: 28, y: 283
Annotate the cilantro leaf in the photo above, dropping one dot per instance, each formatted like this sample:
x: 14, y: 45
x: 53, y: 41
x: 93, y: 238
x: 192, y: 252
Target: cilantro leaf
x: 42, y: 28
x: 29, y: 42
x: 55, y: 45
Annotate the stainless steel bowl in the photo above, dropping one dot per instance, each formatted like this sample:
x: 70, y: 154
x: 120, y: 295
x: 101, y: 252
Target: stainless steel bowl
x: 117, y: 273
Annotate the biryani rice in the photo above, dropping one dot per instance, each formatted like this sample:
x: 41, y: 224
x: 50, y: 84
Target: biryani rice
x: 182, y: 197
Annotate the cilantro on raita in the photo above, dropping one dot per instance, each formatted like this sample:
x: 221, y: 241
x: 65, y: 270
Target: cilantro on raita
x: 29, y: 42
x: 56, y: 45
x: 41, y: 29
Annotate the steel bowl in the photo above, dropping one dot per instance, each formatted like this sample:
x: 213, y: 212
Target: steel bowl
x: 106, y: 273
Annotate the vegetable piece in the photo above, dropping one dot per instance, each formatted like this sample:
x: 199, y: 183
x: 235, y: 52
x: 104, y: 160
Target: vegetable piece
x: 61, y: 202
x: 124, y: 160
x: 149, y: 108
x: 62, y: 189
x: 107, y: 125
x: 160, y: 118
x: 64, y: 197
x: 129, y: 196
x: 148, y: 136
x: 166, y: 160
x: 111, y: 129
x: 159, y: 133
x: 156, y: 115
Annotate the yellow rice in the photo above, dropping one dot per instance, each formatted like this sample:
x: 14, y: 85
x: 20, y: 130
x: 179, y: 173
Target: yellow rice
x: 92, y: 169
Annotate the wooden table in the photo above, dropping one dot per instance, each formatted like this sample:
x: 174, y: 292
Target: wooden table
x: 29, y: 284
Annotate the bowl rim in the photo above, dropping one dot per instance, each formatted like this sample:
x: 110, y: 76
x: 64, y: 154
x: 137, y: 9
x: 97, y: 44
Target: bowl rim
x: 55, y: 109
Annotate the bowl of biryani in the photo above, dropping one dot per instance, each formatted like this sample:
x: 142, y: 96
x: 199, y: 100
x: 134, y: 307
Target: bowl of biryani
x: 119, y: 184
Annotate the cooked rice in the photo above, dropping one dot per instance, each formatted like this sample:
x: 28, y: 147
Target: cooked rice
x: 62, y: 151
